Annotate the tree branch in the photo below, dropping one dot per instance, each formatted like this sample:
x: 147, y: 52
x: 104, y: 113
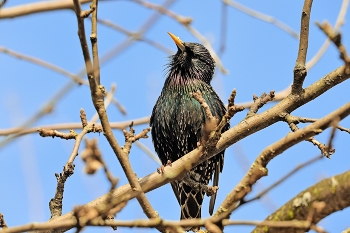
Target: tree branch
x: 300, y: 71
x: 333, y: 191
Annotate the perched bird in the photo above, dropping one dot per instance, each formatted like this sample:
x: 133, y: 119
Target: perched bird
x: 177, y: 120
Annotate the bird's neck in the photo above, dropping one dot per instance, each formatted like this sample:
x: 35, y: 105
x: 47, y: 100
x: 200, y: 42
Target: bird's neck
x: 187, y: 77
x: 179, y: 80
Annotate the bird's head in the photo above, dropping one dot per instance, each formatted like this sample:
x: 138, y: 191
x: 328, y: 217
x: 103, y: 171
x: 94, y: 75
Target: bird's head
x: 192, y: 61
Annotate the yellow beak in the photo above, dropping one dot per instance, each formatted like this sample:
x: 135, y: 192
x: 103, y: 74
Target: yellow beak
x: 177, y: 41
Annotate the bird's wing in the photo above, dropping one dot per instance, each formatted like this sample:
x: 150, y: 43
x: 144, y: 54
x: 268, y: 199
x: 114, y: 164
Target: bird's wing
x: 215, y: 183
x: 175, y: 189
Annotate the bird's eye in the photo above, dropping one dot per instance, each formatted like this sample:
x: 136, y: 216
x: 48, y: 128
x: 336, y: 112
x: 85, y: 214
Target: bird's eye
x: 189, y: 51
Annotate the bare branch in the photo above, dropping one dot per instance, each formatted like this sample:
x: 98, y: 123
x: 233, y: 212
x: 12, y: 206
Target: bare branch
x: 67, y: 126
x: 339, y: 22
x: 43, y: 63
x: 300, y: 71
x: 335, y: 188
x: 335, y: 37
x: 151, y: 223
x: 238, y: 132
x: 36, y: 7
x: 260, y: 102
x: 285, y: 177
x: 262, y: 16
x: 258, y: 169
x: 325, y: 150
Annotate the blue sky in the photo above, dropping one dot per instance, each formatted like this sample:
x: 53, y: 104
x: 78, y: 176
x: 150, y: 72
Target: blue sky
x: 259, y: 57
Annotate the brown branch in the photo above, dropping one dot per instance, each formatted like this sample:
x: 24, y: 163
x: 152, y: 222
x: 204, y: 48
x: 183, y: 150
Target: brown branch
x: 97, y: 96
x: 335, y: 37
x: 151, y: 223
x: 262, y: 16
x: 296, y: 119
x: 281, y: 180
x: 54, y: 133
x: 66, y: 126
x: 46, y: 109
x: 212, y: 128
x: 130, y: 137
x: 331, y: 137
x: 332, y: 191
x: 139, y: 34
x: 68, y: 170
x: 185, y: 21
x: 84, y: 46
x: 280, y: 95
x: 258, y: 169
x: 36, y: 7
x: 300, y: 71
x: 339, y: 22
x: 92, y: 157
x: 165, y: 11
x: 43, y: 63
x: 236, y: 133
x: 260, y: 102
x: 325, y: 150
x: 93, y: 39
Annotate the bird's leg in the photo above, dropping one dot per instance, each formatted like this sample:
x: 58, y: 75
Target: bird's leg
x: 192, y: 179
x: 160, y: 169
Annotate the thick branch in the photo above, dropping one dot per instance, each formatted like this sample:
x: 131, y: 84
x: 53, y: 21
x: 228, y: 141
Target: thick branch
x: 333, y: 191
x: 97, y: 95
x: 241, y: 130
x: 258, y: 168
x: 36, y: 7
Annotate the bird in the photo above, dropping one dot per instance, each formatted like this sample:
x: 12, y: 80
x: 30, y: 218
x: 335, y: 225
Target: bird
x: 177, y: 120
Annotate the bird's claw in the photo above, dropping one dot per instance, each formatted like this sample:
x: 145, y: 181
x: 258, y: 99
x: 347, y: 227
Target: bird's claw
x: 161, y: 169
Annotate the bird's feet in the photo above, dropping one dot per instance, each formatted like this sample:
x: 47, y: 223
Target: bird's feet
x: 160, y: 170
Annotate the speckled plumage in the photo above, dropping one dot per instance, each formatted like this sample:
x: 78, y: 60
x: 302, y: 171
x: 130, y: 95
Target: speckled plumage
x: 177, y: 119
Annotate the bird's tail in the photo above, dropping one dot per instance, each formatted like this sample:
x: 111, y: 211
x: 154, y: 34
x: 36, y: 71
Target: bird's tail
x: 190, y: 201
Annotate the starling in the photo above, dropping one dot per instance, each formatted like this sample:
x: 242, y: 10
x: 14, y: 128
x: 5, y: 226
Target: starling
x: 177, y: 120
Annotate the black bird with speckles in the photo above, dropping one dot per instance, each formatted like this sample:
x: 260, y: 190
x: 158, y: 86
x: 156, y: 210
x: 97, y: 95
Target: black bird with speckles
x: 177, y: 120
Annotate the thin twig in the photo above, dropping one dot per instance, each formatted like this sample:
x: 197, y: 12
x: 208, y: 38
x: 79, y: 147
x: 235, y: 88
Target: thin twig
x: 151, y: 223
x: 325, y: 150
x: 44, y: 110
x: 297, y: 120
x: 282, y: 179
x: 186, y: 23
x: 339, y: 22
x: 148, y: 152
x: 67, y: 126
x: 263, y: 17
x: 335, y: 37
x: 231, y: 136
x: 223, y: 29
x: 43, y: 63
